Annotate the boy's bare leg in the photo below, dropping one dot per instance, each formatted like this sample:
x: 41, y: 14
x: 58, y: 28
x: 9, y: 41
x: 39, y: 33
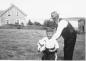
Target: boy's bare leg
x: 56, y: 57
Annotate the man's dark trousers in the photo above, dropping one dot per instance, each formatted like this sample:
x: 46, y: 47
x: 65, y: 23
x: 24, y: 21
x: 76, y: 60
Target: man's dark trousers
x: 69, y: 35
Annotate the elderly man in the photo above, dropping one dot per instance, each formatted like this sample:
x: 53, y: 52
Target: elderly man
x: 67, y: 31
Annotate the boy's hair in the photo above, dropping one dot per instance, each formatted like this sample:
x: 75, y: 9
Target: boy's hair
x: 49, y: 30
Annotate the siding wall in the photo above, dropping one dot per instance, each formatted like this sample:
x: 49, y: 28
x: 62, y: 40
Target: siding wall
x: 12, y: 16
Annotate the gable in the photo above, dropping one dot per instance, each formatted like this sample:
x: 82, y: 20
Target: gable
x: 13, y: 7
x: 1, y: 12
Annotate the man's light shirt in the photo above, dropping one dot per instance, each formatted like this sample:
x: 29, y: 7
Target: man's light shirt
x: 61, y: 25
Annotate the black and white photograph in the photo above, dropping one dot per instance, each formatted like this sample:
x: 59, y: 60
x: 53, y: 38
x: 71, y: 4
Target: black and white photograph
x: 42, y: 30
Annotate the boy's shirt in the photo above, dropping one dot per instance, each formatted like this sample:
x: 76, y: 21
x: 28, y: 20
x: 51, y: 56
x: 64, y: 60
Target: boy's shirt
x: 46, y: 43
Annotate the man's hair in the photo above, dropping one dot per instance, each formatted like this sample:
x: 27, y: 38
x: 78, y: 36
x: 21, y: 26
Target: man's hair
x: 55, y: 13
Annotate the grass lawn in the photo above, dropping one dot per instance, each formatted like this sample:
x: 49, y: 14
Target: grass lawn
x: 18, y: 44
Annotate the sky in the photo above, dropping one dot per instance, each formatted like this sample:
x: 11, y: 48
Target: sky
x: 39, y: 10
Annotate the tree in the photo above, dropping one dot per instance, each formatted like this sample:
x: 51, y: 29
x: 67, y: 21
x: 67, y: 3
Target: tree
x: 29, y: 22
x: 51, y: 24
x: 37, y: 23
x: 45, y: 23
x: 22, y: 24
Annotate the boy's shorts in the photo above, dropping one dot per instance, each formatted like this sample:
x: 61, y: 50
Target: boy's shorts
x: 47, y: 55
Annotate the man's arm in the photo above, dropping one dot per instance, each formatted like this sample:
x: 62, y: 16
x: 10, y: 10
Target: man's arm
x: 61, y: 25
x: 56, y: 45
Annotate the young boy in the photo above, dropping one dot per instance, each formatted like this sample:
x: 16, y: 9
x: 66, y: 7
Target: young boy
x: 48, y: 48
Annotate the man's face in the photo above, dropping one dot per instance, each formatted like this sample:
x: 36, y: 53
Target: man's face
x: 55, y: 16
x: 49, y: 34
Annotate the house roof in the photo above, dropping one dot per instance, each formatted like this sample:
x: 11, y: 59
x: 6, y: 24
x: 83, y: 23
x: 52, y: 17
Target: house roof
x: 74, y: 18
x: 12, y: 6
x: 1, y: 12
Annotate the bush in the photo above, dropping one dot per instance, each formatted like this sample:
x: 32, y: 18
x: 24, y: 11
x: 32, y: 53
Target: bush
x: 29, y: 23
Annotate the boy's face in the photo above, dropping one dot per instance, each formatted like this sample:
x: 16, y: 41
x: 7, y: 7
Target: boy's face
x: 49, y: 34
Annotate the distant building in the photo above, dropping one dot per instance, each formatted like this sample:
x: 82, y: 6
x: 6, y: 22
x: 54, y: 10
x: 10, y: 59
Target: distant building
x: 77, y: 23
x: 82, y: 24
x: 11, y: 16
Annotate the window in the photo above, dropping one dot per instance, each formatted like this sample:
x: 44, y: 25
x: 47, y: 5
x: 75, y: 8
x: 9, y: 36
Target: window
x: 17, y: 13
x: 9, y: 15
x: 7, y: 22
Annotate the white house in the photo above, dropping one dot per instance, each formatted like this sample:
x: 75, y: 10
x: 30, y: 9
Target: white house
x: 12, y: 15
